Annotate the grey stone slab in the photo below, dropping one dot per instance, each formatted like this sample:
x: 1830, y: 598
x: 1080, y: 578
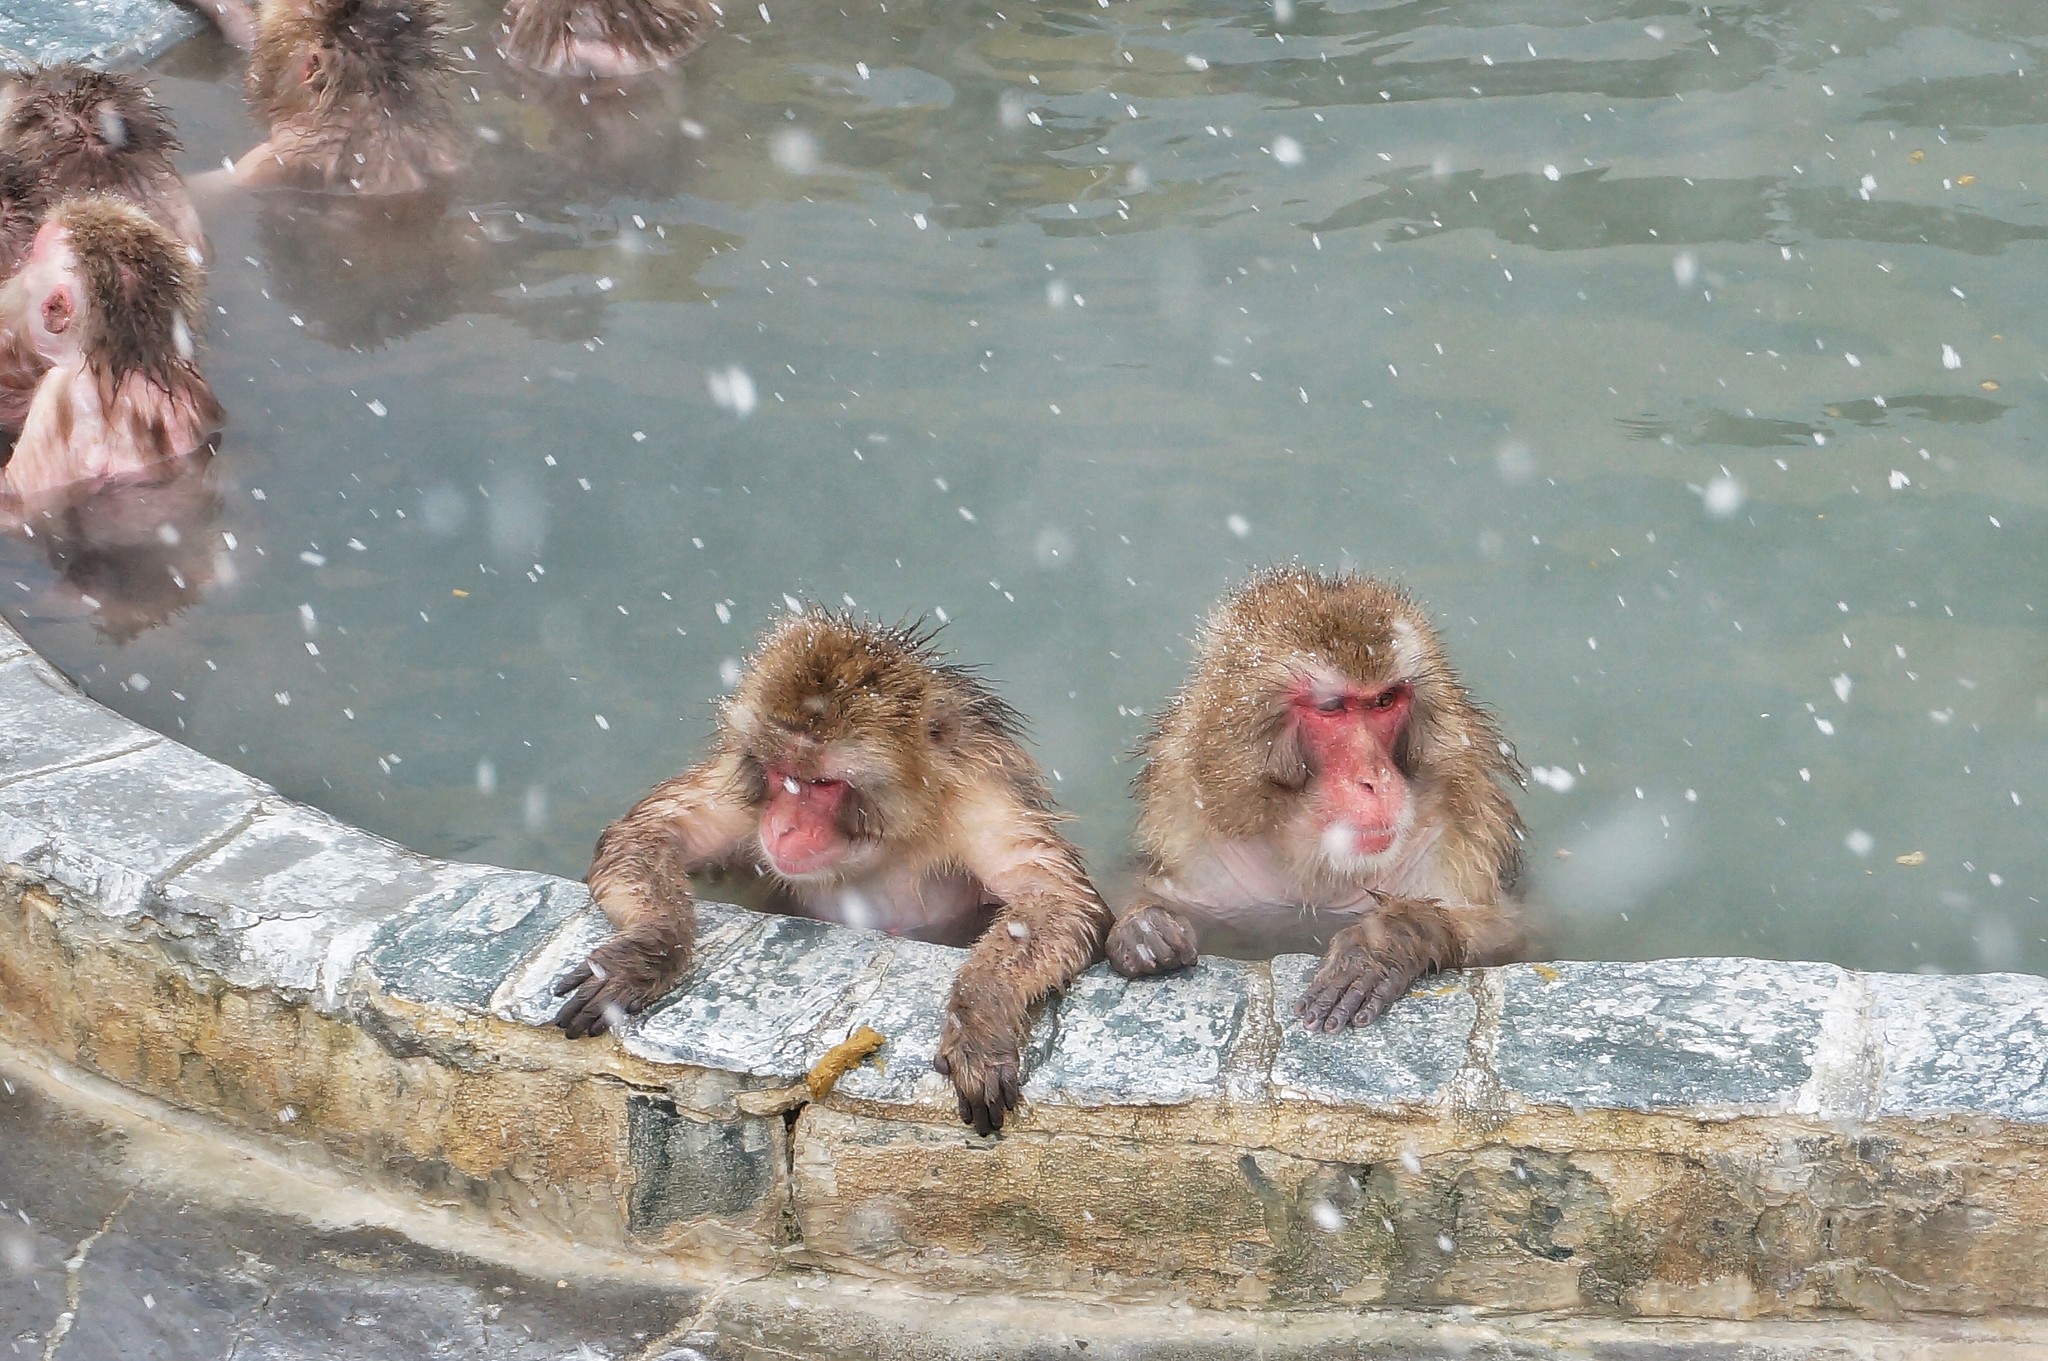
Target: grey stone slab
x: 1665, y: 1034
x: 1977, y: 1043
x: 458, y: 945
x: 44, y: 723
x: 686, y: 1168
x: 528, y: 994
x: 1153, y: 1042
x: 298, y: 896
x: 1408, y: 1055
x: 98, y: 32
x: 759, y: 1010
x: 906, y: 1006
x: 108, y: 830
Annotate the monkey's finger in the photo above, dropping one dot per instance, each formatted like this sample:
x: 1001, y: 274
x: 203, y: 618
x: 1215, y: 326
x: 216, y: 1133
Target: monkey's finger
x: 573, y: 979
x: 583, y: 1015
x: 1316, y: 1001
x: 1011, y: 1090
x: 1391, y: 989
x: 1348, y: 1004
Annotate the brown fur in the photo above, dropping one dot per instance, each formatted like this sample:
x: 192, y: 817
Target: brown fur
x: 142, y: 310
x: 21, y: 209
x: 86, y: 131
x: 355, y: 92
x: 537, y: 34
x: 940, y: 785
x: 1223, y: 766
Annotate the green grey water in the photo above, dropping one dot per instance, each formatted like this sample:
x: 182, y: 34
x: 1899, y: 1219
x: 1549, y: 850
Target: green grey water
x: 1688, y: 360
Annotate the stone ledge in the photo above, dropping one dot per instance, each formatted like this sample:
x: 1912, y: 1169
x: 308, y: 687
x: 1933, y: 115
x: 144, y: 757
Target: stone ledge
x: 1721, y: 1138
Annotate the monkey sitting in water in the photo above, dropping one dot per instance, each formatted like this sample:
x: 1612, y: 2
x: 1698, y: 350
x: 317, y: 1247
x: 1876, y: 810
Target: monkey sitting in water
x: 97, y: 329
x: 1324, y: 781
x: 862, y: 780
x: 602, y: 39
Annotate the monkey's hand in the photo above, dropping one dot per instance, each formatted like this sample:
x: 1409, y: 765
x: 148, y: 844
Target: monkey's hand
x: 619, y: 979
x: 979, y: 1048
x: 1372, y: 962
x: 1153, y: 939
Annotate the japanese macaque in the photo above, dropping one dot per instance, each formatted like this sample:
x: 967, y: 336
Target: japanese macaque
x: 1324, y: 779
x: 354, y: 94
x: 601, y: 39
x: 21, y: 208
x: 106, y: 307
x: 82, y: 131
x: 865, y: 781
x: 235, y: 20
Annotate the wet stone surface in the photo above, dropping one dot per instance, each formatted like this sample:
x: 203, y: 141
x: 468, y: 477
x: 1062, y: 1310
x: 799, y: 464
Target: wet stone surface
x: 528, y: 994
x: 1407, y: 1056
x: 1150, y: 1042
x: 1968, y: 1043
x: 102, y: 33
x: 906, y: 1006
x: 457, y: 945
x: 759, y: 1011
x: 109, y: 830
x: 44, y: 723
x: 687, y: 1169
x: 1663, y: 1035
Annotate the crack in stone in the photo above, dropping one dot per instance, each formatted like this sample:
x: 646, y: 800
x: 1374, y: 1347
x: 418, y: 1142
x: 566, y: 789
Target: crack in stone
x: 74, y: 1281
x: 83, y: 762
x: 1476, y: 1095
x: 677, y: 1338
x: 213, y: 844
x: 1246, y: 1073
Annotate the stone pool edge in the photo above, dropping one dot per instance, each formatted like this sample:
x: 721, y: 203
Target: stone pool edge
x: 1718, y: 1139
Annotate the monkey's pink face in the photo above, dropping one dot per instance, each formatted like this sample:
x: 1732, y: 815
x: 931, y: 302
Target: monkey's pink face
x: 803, y: 827
x: 1359, y: 799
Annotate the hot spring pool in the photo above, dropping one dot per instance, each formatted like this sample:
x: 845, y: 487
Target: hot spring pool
x: 1688, y: 361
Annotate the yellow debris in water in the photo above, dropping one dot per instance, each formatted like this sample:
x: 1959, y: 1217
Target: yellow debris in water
x: 1913, y: 858
x: 841, y: 1059
x: 1966, y: 179
x: 1989, y: 385
x: 460, y: 595
x: 1917, y: 156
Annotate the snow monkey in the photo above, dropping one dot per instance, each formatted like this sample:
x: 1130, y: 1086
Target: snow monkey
x: 21, y: 209
x: 82, y: 131
x: 864, y: 780
x: 602, y: 39
x: 103, y: 313
x: 354, y: 94
x: 1323, y: 778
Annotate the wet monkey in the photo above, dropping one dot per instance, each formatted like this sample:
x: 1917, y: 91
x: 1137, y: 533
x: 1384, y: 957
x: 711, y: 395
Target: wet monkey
x: 105, y: 307
x: 602, y: 39
x: 354, y: 94
x: 1325, y: 780
x: 82, y: 131
x: 864, y: 780
x: 21, y: 209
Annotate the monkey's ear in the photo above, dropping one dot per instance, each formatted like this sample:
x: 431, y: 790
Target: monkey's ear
x: 58, y: 309
x: 1286, y: 765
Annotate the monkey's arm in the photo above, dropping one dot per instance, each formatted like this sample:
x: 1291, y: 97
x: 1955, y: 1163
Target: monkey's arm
x: 1374, y: 961
x: 1050, y: 928
x: 233, y: 18
x: 640, y: 877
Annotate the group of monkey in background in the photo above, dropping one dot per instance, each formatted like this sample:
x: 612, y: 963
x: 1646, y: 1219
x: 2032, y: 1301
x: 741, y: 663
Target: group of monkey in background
x: 1322, y: 782
x: 106, y: 420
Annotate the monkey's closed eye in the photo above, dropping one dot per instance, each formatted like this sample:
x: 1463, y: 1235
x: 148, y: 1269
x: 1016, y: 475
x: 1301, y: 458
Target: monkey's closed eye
x: 1333, y: 705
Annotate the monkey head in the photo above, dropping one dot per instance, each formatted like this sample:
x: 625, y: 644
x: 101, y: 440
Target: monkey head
x: 839, y: 727
x: 354, y: 93
x: 601, y: 39
x: 1307, y: 720
x: 87, y: 131
x: 104, y: 282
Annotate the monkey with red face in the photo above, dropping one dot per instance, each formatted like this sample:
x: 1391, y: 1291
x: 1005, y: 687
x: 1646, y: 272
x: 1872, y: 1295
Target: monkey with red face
x: 97, y: 328
x: 864, y: 780
x: 1325, y: 780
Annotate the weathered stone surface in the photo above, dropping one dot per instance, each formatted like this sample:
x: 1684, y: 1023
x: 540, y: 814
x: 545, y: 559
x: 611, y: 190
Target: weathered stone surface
x: 1154, y: 1042
x: 906, y: 1005
x: 759, y: 1011
x: 1970, y: 1044
x: 44, y: 723
x: 686, y: 1169
x: 102, y: 33
x: 109, y: 829
x: 1664, y: 1035
x: 528, y: 993
x: 1407, y: 1056
x: 457, y: 945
